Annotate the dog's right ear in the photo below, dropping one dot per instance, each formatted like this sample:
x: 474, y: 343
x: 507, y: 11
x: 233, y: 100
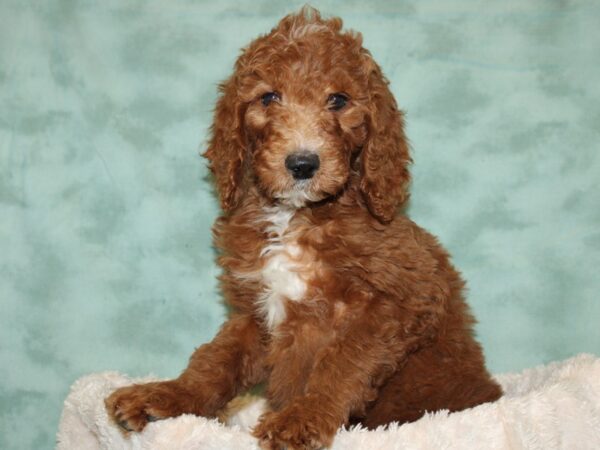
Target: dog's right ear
x: 226, y: 151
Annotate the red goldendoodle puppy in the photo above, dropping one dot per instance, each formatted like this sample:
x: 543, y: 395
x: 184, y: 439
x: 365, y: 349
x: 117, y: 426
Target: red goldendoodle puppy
x: 347, y: 310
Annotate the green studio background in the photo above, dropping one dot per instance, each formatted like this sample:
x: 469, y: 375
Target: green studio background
x: 105, y: 208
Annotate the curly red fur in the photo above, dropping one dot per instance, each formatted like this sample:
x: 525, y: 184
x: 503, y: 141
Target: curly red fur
x: 348, y: 311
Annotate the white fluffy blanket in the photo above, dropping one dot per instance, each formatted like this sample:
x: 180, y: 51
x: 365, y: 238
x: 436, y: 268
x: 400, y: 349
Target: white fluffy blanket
x: 550, y: 407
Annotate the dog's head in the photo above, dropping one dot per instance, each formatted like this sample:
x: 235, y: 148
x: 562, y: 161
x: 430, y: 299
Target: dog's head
x: 305, y: 107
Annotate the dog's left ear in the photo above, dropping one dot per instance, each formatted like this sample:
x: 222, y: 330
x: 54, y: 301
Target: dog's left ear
x: 385, y: 156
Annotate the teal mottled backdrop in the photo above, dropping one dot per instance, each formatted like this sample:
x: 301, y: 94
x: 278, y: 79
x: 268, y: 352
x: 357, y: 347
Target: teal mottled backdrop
x: 105, y: 207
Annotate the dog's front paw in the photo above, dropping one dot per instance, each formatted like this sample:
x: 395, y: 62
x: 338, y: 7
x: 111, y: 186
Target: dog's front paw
x: 132, y: 407
x: 295, y: 428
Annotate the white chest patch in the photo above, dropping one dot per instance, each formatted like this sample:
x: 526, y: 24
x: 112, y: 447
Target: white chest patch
x: 282, y: 270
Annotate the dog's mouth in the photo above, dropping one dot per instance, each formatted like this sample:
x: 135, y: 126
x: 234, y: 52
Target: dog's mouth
x: 305, y: 194
x: 300, y: 195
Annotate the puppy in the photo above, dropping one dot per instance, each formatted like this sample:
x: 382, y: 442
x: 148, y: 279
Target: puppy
x: 346, y: 309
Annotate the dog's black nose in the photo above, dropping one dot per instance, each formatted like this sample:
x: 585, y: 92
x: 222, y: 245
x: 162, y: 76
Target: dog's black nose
x: 302, y: 165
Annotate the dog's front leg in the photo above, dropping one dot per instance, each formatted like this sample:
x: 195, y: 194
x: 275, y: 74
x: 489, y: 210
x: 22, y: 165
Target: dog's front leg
x: 217, y: 371
x: 345, y: 375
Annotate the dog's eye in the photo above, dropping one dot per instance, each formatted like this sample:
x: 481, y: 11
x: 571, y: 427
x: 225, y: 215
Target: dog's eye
x: 269, y: 98
x: 335, y: 102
